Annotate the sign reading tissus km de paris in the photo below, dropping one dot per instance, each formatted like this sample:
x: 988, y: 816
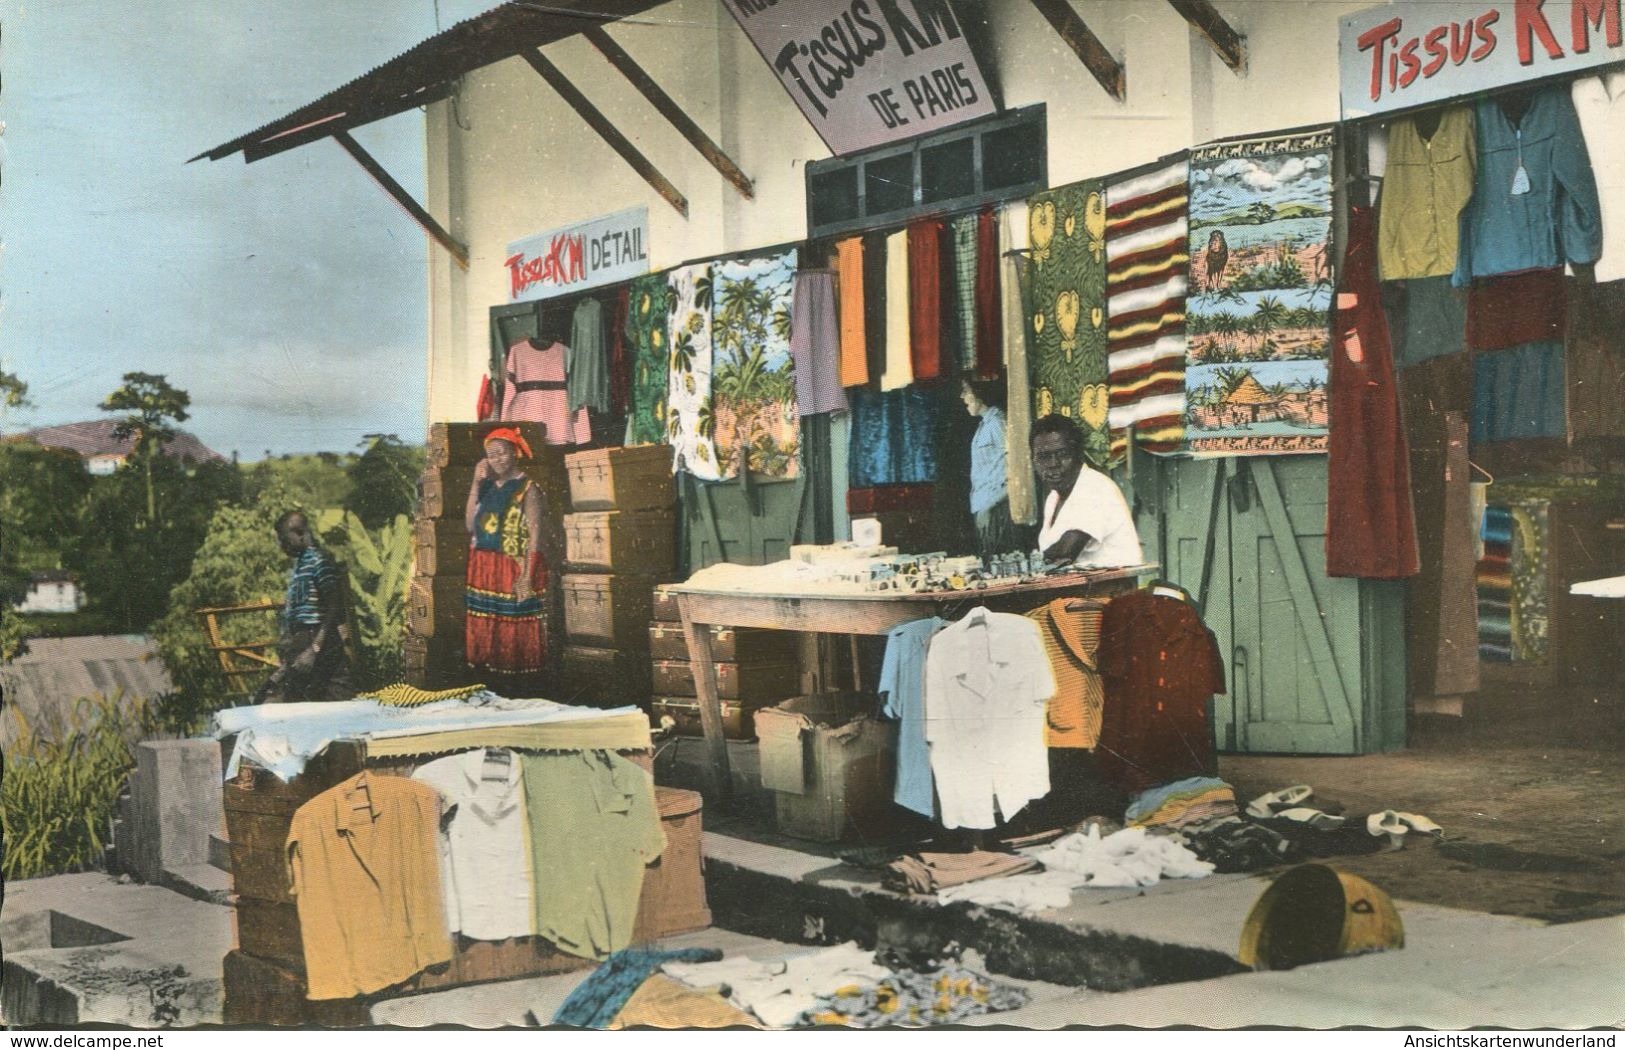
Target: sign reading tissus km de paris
x: 574, y: 258
x: 868, y: 72
x: 1416, y: 52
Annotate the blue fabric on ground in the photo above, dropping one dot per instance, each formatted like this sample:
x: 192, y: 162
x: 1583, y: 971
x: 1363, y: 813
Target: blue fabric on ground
x: 598, y: 999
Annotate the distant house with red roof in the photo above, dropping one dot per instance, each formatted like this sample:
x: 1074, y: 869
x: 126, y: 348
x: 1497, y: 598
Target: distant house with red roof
x: 94, y: 442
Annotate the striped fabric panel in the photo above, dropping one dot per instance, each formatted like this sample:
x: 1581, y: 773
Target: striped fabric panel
x: 1493, y: 579
x: 1147, y: 261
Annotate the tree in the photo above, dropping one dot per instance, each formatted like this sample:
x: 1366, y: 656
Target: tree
x: 40, y: 503
x: 13, y: 391
x: 152, y: 406
x: 383, y: 481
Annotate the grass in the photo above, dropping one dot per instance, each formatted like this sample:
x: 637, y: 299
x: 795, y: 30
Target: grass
x: 59, y: 791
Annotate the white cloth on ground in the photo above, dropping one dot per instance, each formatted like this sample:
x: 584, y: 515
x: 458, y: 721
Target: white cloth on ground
x: 1027, y: 894
x: 1131, y: 857
x: 778, y: 991
x: 484, y: 858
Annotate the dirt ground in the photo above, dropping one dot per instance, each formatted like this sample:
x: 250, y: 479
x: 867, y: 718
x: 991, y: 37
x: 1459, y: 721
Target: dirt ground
x: 1530, y: 790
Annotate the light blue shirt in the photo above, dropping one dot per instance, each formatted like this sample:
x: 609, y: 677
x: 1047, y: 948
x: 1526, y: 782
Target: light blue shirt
x: 987, y: 477
x: 902, y: 683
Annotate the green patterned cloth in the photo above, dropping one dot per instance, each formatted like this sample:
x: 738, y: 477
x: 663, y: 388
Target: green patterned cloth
x: 1529, y: 580
x: 1067, y: 233
x: 646, y: 343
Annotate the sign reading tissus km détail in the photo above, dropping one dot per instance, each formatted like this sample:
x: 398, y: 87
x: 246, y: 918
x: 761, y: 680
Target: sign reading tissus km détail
x: 574, y: 258
x: 1417, y: 52
x: 868, y: 72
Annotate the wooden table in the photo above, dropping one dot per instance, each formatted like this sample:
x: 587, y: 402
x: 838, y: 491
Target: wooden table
x: 871, y: 613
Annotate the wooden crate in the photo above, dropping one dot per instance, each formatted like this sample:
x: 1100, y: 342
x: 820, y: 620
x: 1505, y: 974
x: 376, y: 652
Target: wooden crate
x: 441, y: 547
x: 738, y: 716
x: 443, y: 491
x: 605, y: 677
x: 607, y: 610
x: 761, y: 683
x: 435, y: 606
x: 463, y: 444
x: 664, y: 607
x: 729, y: 644
x: 673, y: 899
x: 641, y: 542
x: 636, y: 478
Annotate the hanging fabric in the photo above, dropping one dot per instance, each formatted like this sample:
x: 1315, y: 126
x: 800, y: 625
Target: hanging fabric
x: 585, y: 366
x: 925, y: 298
x: 966, y: 262
x: 1147, y: 259
x: 1600, y: 103
x: 1441, y: 616
x: 877, y: 278
x: 1519, y: 393
x: 1518, y: 308
x: 815, y: 344
x: 690, y: 423
x: 620, y: 365
x: 1013, y: 314
x: 989, y: 342
x: 849, y: 263
x: 754, y: 388
x: 1067, y: 231
x: 1428, y: 181
x: 535, y: 392
x: 1371, y: 529
x: 646, y: 331
x: 485, y: 404
x: 1595, y: 368
x: 899, y: 370
x: 1434, y: 321
x: 1558, y: 219
x: 894, y: 436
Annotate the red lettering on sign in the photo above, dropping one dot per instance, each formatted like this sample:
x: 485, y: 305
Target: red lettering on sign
x: 1587, y: 15
x: 1486, y: 38
x: 562, y: 264
x: 1374, y: 40
x: 1528, y: 23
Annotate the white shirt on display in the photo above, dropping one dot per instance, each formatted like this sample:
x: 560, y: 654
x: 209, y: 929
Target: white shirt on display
x: 484, y: 857
x: 1096, y: 508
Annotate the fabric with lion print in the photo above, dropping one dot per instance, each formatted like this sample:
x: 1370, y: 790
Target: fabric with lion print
x: 690, y: 425
x: 1067, y: 238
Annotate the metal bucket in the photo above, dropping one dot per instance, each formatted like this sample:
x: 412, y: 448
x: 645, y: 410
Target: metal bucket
x: 1314, y: 913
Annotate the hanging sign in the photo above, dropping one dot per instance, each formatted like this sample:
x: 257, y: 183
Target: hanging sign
x: 1416, y: 52
x: 869, y: 72
x: 574, y: 258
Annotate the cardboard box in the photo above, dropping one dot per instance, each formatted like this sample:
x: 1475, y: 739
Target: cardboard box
x: 830, y: 763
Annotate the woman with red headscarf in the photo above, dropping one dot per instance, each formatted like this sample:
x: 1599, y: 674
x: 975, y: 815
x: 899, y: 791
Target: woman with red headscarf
x: 507, y: 575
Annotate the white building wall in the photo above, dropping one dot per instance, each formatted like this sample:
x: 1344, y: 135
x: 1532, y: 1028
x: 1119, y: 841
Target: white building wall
x: 511, y: 159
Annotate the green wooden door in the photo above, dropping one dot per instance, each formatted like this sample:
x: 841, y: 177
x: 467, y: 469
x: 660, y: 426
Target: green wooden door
x: 747, y: 522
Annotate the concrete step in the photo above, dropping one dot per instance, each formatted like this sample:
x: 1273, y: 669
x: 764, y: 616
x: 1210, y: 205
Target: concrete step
x: 201, y: 882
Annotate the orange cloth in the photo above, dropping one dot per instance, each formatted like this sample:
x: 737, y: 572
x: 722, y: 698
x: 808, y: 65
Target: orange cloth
x: 661, y: 1002
x: 854, y: 359
x: 364, y: 859
x: 1070, y: 628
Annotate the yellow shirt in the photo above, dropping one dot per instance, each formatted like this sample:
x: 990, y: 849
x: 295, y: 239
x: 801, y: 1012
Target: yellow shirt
x: 364, y: 858
x: 1070, y: 628
x: 1427, y: 183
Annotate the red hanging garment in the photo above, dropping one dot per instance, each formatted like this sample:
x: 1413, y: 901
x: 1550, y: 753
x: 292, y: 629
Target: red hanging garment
x: 925, y: 297
x: 485, y: 405
x: 989, y: 329
x: 1370, y: 526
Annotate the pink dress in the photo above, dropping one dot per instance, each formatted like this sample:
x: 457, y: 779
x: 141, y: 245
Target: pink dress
x: 534, y: 392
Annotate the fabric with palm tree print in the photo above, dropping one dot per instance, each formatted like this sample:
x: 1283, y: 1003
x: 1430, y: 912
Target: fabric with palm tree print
x: 646, y: 332
x: 753, y: 384
x: 1066, y: 231
x: 1258, y: 306
x: 690, y: 425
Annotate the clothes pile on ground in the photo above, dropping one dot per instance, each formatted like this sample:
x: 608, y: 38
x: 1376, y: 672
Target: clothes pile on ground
x: 932, y: 872
x: 1131, y: 857
x: 840, y: 985
x: 1189, y: 801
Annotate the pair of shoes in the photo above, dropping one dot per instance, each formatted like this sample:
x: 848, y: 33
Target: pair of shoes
x: 1395, y: 825
x: 1286, y: 798
x: 1314, y: 818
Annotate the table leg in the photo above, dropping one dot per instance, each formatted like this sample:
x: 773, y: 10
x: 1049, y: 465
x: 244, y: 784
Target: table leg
x: 718, y: 775
x: 857, y: 668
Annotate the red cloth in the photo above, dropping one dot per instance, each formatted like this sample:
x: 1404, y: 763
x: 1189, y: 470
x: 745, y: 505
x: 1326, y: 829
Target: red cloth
x: 509, y: 644
x: 1518, y: 308
x: 1160, y: 665
x: 925, y: 297
x: 884, y: 498
x: 485, y: 406
x: 989, y: 308
x: 620, y: 364
x: 1370, y: 524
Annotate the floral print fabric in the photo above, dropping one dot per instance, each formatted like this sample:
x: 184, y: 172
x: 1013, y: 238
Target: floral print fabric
x: 753, y: 382
x: 916, y: 1000
x: 1067, y: 354
x: 690, y: 423
x: 646, y: 343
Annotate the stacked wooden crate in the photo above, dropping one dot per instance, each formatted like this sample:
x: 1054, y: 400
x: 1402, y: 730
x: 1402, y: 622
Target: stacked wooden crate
x: 620, y: 540
x: 434, y: 655
x: 755, y: 669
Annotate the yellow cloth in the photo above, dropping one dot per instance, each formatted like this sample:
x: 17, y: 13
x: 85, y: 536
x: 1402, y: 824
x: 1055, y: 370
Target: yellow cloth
x: 661, y: 1002
x: 854, y: 354
x: 1427, y: 183
x: 628, y: 732
x: 364, y: 862
x: 899, y: 370
x: 1018, y: 421
x: 1070, y: 628
x: 402, y: 695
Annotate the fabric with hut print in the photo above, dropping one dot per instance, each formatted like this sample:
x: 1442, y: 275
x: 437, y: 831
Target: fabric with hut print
x: 646, y: 332
x: 753, y: 385
x: 690, y: 425
x: 1067, y: 355
x: 1260, y: 294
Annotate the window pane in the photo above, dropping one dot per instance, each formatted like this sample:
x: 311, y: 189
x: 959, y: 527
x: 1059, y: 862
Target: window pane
x: 948, y: 171
x: 1013, y: 156
x: 835, y: 195
x: 889, y: 184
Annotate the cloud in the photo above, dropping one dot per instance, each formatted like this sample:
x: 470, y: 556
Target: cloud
x: 1268, y: 175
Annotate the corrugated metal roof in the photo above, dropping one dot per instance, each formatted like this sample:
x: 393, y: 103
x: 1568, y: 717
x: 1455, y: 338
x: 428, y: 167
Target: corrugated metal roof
x: 425, y: 73
x: 45, y: 683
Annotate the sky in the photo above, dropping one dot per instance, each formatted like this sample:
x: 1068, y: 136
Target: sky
x: 287, y: 297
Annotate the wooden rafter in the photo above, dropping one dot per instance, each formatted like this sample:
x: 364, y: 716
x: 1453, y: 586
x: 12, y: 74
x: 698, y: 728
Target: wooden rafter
x: 606, y: 130
x: 669, y: 109
x: 1081, y: 39
x: 397, y: 192
x: 1230, y: 45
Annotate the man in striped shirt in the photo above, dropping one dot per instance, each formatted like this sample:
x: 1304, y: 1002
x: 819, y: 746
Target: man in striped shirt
x: 313, y: 664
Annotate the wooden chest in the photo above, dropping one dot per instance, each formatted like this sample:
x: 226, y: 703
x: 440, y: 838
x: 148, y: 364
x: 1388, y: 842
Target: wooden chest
x: 664, y: 608
x: 636, y: 478
x: 463, y: 444
x: 605, y: 677
x: 607, y: 610
x: 441, y: 546
x: 642, y: 542
x: 673, y: 899
x: 435, y: 606
x: 443, y: 491
x: 738, y: 716
x: 764, y: 683
x: 732, y: 644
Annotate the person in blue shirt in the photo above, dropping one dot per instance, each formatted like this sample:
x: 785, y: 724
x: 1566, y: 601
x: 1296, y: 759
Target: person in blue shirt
x: 313, y: 664
x: 989, y: 497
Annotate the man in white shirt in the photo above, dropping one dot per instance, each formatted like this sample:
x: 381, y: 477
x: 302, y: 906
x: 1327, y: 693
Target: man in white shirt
x: 1086, y: 519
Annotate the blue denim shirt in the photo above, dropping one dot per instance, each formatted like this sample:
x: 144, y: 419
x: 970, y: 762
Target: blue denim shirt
x: 987, y: 475
x: 1558, y: 221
